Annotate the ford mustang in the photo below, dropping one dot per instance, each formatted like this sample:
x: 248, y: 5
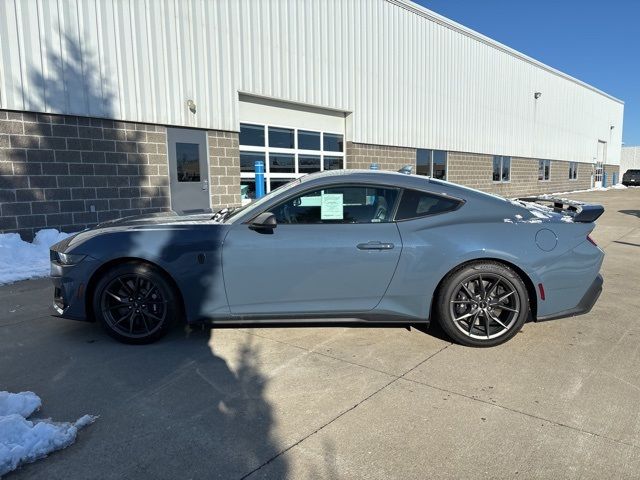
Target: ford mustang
x: 353, y: 245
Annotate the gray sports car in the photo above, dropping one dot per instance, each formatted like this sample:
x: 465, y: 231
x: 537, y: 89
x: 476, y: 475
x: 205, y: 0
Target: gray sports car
x: 353, y: 245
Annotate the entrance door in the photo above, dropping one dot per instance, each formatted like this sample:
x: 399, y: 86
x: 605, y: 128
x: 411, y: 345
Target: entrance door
x: 600, y: 159
x: 188, y: 170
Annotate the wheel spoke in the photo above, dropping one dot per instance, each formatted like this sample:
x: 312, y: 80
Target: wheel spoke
x: 504, y: 297
x: 472, y: 322
x: 467, y: 291
x: 144, y: 320
x: 509, y: 309
x: 125, y: 285
x: 152, y: 289
x: 452, y: 301
x: 483, y: 292
x: 497, y: 320
x: 119, y: 299
x: 124, y: 317
x: 113, y: 307
x: 154, y: 316
x: 492, y: 290
x: 466, y: 315
x: 487, y: 322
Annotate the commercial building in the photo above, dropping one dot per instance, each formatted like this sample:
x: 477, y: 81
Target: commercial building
x: 111, y: 108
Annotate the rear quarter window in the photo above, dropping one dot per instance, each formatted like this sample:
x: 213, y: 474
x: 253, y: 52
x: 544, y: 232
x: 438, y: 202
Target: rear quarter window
x: 416, y: 204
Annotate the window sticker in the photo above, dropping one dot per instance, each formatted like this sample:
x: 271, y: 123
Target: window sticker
x: 332, y: 207
x: 311, y: 201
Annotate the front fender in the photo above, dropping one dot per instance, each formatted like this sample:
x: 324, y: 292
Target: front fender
x: 189, y: 254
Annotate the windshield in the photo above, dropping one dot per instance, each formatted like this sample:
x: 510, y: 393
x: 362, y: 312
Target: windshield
x: 256, y: 204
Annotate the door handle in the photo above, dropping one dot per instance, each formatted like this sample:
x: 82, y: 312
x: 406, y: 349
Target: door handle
x: 375, y: 246
x: 205, y: 185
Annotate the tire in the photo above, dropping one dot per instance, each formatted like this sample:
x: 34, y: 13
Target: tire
x: 135, y: 303
x: 483, y: 304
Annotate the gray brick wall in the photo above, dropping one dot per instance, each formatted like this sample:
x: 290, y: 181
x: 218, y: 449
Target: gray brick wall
x: 224, y: 167
x: 476, y: 170
x: 610, y: 170
x: 68, y: 172
x: 360, y: 155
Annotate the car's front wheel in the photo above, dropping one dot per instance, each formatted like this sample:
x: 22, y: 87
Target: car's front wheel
x: 135, y: 303
x: 483, y: 304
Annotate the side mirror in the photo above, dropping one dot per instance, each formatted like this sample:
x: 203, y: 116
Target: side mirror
x: 264, y: 221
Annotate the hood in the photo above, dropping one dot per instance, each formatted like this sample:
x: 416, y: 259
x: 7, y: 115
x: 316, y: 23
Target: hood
x: 160, y: 218
x: 152, y: 221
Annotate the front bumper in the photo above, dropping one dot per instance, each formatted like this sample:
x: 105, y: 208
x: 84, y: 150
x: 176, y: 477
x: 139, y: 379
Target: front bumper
x: 584, y: 306
x: 69, y: 288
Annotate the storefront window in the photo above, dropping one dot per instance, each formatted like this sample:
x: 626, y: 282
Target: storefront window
x: 252, y: 135
x: 288, y: 153
x: 308, y: 140
x: 431, y: 163
x: 501, y: 168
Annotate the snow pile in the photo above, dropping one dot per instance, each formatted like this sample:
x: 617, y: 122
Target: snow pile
x: 24, y: 441
x: 617, y: 186
x: 20, y: 260
x: 24, y: 404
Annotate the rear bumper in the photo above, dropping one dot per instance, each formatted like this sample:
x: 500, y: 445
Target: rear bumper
x: 584, y: 306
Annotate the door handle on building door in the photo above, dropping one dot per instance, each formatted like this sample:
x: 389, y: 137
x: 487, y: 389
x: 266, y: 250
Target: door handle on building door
x: 205, y: 184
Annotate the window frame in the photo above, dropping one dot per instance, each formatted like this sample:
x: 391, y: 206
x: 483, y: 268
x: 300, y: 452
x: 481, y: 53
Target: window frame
x: 502, y: 159
x: 544, y: 170
x: 573, y: 168
x: 392, y: 214
x: 431, y: 162
x: 266, y: 149
x: 460, y: 201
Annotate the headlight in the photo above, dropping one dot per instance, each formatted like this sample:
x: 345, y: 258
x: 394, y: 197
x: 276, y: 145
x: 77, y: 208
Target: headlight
x: 69, y: 258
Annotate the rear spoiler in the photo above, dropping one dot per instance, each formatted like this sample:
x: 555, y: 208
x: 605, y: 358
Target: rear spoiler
x: 580, y: 211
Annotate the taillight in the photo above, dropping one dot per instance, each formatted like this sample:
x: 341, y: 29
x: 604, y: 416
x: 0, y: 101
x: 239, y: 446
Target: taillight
x: 591, y: 240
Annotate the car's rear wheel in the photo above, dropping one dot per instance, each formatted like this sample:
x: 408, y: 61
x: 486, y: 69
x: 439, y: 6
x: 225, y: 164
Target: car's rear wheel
x: 483, y: 304
x: 135, y: 303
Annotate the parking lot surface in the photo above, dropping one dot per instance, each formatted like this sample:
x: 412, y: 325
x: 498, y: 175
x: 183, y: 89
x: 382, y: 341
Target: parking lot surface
x: 560, y: 400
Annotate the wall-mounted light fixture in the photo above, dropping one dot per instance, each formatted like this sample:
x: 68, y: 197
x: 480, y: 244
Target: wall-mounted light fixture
x: 537, y: 95
x: 192, y: 105
x: 612, y: 127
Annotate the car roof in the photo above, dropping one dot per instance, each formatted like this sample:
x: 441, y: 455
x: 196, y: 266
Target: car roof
x: 397, y: 179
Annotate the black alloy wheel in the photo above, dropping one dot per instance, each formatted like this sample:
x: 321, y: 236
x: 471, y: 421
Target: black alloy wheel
x: 135, y: 303
x: 483, y: 304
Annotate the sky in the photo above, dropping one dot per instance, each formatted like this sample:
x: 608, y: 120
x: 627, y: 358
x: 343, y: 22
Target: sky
x: 597, y: 42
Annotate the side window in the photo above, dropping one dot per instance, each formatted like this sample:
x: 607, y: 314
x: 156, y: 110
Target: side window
x: 414, y: 204
x: 348, y: 204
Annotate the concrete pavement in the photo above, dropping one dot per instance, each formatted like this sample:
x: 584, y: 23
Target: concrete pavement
x: 560, y: 400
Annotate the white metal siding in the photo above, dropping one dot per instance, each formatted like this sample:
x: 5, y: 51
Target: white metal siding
x: 408, y: 80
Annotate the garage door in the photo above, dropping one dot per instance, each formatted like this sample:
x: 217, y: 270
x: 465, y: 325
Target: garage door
x: 292, y: 140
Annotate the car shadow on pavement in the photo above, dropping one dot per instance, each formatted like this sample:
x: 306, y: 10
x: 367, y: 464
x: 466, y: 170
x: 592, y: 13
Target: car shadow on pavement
x: 433, y: 330
x: 173, y: 409
x: 635, y: 213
